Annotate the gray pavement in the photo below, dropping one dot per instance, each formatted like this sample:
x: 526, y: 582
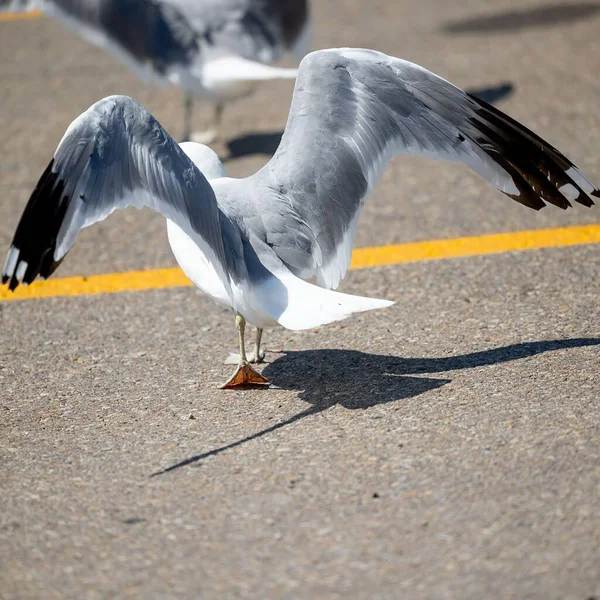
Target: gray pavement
x: 447, y: 447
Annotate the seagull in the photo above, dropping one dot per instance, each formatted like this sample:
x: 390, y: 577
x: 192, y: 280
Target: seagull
x: 215, y: 49
x: 274, y: 246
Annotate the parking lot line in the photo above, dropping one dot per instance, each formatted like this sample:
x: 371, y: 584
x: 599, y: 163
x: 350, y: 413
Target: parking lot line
x: 16, y: 16
x: 361, y: 258
x: 475, y: 245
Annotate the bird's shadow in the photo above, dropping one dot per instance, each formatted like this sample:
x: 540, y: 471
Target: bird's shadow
x: 514, y: 20
x: 358, y: 380
x: 493, y: 94
x: 250, y: 144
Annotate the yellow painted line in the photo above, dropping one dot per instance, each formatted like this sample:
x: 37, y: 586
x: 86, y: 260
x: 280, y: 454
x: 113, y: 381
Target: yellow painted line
x: 472, y: 246
x: 110, y: 283
x: 361, y: 258
x: 21, y: 16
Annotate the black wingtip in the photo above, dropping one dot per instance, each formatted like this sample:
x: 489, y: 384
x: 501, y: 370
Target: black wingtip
x: 49, y: 265
x: 588, y: 202
x: 38, y: 229
x: 540, y: 172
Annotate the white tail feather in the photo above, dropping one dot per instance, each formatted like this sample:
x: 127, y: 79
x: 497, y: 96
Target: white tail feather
x: 224, y: 70
x: 306, y: 305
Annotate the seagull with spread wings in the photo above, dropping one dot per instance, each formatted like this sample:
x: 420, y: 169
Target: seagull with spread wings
x: 219, y: 50
x: 275, y: 245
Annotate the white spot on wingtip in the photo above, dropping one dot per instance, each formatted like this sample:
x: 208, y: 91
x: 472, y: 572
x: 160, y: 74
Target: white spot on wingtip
x: 11, y: 261
x: 569, y: 191
x: 21, y: 270
x: 580, y: 180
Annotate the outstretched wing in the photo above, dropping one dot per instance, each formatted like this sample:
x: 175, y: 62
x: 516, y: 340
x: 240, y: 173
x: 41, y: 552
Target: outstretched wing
x: 151, y: 36
x: 260, y: 30
x: 351, y: 111
x: 114, y: 155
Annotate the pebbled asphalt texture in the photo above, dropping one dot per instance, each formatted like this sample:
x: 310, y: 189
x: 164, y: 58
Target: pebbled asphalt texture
x: 447, y: 447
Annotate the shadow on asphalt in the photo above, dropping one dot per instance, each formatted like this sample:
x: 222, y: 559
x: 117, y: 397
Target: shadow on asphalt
x: 491, y: 95
x: 515, y: 20
x: 356, y: 380
x: 251, y: 144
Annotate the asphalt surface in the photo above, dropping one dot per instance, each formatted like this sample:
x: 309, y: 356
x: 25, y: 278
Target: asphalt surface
x: 447, y: 447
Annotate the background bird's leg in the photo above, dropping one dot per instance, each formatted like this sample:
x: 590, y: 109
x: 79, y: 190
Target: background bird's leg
x: 188, y: 105
x: 212, y: 132
x: 244, y: 375
x: 218, y: 119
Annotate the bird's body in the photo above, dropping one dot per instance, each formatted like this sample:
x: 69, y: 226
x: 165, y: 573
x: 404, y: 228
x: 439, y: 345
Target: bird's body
x: 261, y: 286
x: 275, y: 245
x: 216, y: 49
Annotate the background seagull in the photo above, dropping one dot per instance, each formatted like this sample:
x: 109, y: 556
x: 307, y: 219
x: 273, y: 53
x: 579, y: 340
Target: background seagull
x: 253, y: 243
x: 217, y: 49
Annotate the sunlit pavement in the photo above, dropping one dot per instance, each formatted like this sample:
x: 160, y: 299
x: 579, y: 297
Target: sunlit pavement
x: 446, y: 447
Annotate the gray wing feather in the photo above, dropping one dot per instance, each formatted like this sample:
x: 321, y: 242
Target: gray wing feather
x: 112, y: 156
x: 158, y: 37
x: 254, y: 29
x: 351, y: 111
x: 117, y: 154
x: 151, y: 32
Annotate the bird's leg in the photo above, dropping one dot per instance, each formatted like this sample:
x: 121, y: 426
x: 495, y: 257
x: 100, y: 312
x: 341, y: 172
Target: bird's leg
x: 245, y: 375
x: 211, y: 133
x: 218, y: 118
x: 188, y: 105
x: 257, y: 355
